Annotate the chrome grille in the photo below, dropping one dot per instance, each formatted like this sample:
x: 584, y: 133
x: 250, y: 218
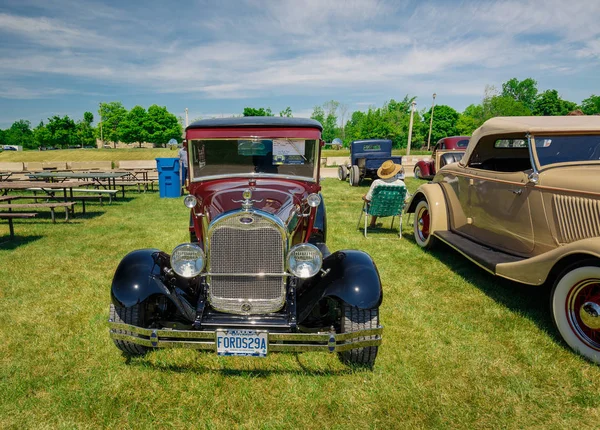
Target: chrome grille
x: 255, y: 251
x: 578, y: 217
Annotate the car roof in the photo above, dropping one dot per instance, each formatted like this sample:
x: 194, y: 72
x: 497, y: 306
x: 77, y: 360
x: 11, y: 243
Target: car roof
x: 256, y: 121
x: 371, y: 141
x: 534, y: 125
x: 538, y: 124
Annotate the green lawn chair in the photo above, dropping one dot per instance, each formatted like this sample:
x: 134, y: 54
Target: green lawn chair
x: 387, y: 200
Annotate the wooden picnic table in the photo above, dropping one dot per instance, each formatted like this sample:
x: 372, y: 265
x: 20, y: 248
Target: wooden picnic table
x: 96, y: 177
x: 12, y: 215
x: 49, y: 188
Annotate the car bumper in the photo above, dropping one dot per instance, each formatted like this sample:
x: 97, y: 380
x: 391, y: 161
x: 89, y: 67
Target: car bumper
x: 278, y: 342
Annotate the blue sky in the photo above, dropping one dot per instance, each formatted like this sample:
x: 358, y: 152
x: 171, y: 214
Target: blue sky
x: 215, y: 57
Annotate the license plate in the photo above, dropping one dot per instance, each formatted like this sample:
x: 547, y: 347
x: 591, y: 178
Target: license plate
x: 242, y: 342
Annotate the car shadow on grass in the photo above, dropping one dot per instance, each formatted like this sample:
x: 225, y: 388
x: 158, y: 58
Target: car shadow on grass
x: 530, y: 301
x: 8, y: 244
x: 197, y: 368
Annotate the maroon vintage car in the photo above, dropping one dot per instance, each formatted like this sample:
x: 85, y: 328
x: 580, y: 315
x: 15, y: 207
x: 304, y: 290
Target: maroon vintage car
x: 447, y: 150
x: 256, y: 276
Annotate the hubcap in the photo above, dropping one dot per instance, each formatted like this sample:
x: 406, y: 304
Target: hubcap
x: 590, y: 315
x: 423, y: 224
x: 583, y: 311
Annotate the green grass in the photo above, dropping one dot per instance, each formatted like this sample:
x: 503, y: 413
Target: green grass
x: 461, y: 349
x: 88, y: 154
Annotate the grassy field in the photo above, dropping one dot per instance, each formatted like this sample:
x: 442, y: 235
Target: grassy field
x: 88, y: 154
x: 461, y: 349
x: 131, y: 154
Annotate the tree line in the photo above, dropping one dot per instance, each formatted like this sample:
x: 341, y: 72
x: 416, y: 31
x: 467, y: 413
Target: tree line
x: 391, y: 121
x: 116, y: 124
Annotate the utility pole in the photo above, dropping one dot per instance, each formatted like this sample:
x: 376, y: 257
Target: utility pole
x: 186, y: 117
x: 101, y: 135
x: 430, y: 122
x: 412, y: 112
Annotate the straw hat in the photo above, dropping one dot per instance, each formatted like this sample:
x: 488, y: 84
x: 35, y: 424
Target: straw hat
x: 388, y: 169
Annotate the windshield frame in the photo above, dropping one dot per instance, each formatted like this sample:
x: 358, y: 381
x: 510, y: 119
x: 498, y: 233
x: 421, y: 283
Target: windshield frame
x: 315, y: 170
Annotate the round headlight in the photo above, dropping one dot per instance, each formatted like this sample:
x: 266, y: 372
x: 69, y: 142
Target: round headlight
x: 187, y: 260
x: 190, y: 201
x: 313, y: 200
x: 304, y: 260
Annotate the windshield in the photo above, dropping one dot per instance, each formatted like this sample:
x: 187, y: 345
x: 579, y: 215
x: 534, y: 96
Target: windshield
x: 242, y: 157
x: 567, y: 149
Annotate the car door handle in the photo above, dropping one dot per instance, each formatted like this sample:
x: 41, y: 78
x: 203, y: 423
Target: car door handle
x: 518, y: 191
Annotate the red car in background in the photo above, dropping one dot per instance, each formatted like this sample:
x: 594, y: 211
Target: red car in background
x: 447, y: 150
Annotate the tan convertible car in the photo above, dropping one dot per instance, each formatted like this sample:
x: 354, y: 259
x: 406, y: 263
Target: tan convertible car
x: 524, y: 204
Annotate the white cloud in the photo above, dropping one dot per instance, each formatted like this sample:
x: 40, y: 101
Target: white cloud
x: 333, y: 49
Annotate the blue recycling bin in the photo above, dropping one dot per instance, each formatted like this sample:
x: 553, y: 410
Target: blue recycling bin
x: 169, y: 184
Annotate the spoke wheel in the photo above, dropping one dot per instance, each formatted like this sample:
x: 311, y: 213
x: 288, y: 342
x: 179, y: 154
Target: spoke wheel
x: 575, y: 305
x: 418, y: 173
x: 422, y: 226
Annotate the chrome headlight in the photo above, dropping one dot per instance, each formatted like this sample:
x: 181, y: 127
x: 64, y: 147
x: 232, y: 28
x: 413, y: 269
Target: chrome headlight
x: 304, y: 260
x: 190, y: 201
x: 313, y: 200
x: 187, y: 260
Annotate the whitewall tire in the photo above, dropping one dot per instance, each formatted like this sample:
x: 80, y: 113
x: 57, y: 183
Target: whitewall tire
x: 575, y: 306
x: 422, y: 226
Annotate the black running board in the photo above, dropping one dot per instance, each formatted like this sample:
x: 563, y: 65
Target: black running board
x: 482, y: 255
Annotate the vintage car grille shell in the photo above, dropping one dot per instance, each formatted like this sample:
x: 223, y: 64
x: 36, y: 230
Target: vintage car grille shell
x: 246, y: 255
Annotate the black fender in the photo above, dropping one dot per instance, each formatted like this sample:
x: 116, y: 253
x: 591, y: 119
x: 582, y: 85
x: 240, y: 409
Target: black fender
x: 136, y: 279
x: 351, y: 277
x: 319, y: 233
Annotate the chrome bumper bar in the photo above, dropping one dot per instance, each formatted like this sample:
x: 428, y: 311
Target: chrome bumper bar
x: 278, y: 342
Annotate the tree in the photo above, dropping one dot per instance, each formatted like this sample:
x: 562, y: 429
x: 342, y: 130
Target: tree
x: 85, y: 131
x: 42, y: 136
x: 287, y: 112
x: 249, y: 111
x: 134, y: 128
x: 20, y: 133
x: 469, y: 120
x: 343, y: 111
x: 63, y: 131
x: 444, y: 122
x: 111, y: 116
x: 318, y: 114
x: 524, y: 91
x: 549, y: 103
x: 591, y: 105
x: 162, y: 125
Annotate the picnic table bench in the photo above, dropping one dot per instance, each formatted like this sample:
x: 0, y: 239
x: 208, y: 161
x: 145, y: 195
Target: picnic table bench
x: 51, y: 206
x: 12, y: 215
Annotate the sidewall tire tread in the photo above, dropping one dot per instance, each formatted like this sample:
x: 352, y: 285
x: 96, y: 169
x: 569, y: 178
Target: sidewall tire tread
x: 131, y: 316
x: 354, y: 176
x: 354, y: 319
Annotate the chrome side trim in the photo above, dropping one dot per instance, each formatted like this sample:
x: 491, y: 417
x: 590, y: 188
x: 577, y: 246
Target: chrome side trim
x: 278, y: 342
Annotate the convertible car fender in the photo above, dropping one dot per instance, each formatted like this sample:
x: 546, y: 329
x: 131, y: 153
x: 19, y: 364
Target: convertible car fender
x: 350, y: 275
x: 425, y: 167
x: 136, y: 279
x: 436, y: 199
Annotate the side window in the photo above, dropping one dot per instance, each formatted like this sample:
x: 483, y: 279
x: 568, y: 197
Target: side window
x: 443, y: 145
x: 501, y: 155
